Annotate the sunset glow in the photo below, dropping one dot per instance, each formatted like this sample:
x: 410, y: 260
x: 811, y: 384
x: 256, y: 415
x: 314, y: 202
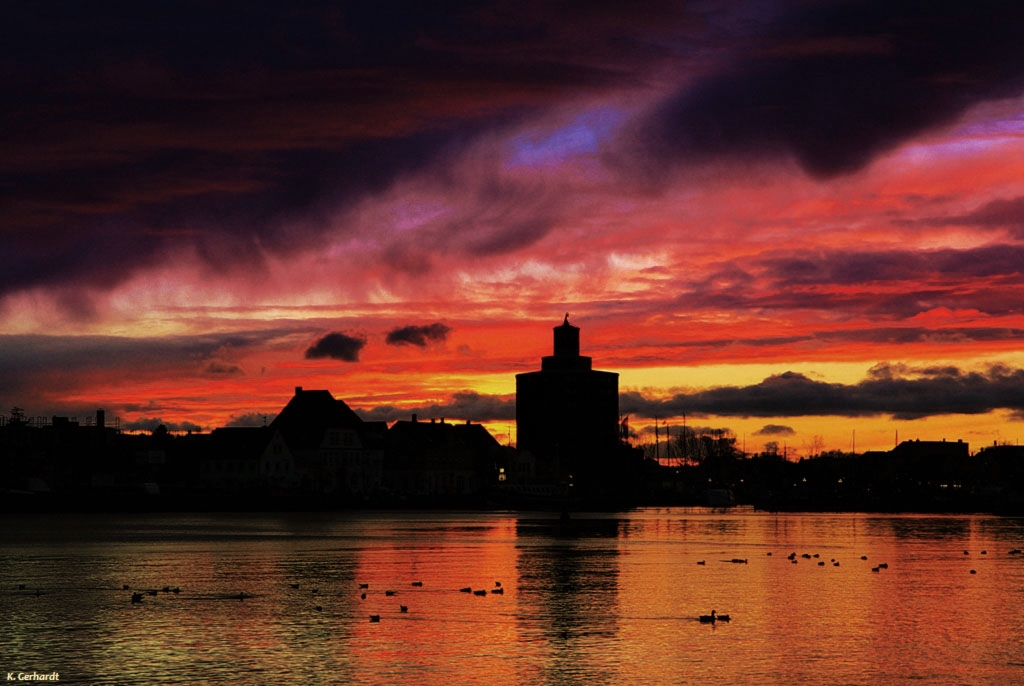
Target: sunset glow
x: 791, y: 215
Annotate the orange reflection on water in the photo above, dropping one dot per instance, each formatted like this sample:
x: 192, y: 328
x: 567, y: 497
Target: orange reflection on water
x: 604, y: 598
x: 445, y: 633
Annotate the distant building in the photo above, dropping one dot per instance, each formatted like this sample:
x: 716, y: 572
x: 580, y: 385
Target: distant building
x: 440, y: 460
x: 931, y: 450
x: 333, y: 449
x: 567, y: 414
x: 931, y: 461
x: 41, y: 453
x: 247, y: 458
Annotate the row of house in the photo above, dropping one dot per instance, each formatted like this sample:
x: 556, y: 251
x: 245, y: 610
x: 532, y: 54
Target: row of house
x: 318, y: 445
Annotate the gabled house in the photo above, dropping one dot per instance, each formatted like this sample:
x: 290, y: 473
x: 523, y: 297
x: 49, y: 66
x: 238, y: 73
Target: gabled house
x: 333, y: 449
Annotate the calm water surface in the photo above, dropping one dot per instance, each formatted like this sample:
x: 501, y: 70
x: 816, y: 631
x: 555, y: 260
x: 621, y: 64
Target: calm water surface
x: 605, y: 599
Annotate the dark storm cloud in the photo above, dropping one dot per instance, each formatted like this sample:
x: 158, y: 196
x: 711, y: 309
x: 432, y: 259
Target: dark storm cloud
x: 1003, y: 213
x: 835, y: 84
x: 337, y: 346
x: 236, y: 130
x: 27, y: 359
x: 491, y: 215
x: 821, y: 279
x: 216, y: 368
x: 775, y: 430
x: 887, y: 391
x: 44, y: 373
x: 419, y: 335
x: 852, y: 341
x: 844, y: 268
x: 910, y: 335
x: 132, y: 133
x: 464, y: 405
x: 511, y: 238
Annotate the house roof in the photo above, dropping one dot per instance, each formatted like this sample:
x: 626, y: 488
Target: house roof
x: 309, y: 414
x: 475, y: 436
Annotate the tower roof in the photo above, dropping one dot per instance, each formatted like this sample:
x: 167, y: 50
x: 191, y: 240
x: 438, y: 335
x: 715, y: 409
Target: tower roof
x: 567, y: 348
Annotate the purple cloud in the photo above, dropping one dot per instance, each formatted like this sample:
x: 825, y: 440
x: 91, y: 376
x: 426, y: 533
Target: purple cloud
x: 418, y: 335
x: 337, y: 346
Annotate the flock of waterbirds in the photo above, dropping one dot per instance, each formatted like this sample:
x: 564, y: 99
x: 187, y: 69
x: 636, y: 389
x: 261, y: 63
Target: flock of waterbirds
x: 794, y: 559
x: 138, y: 595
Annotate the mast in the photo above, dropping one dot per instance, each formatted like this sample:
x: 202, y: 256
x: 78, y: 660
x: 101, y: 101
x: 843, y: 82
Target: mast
x: 686, y: 443
x: 668, y: 442
x: 657, y: 442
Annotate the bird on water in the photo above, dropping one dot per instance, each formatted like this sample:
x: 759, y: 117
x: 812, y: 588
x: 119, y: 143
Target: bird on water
x: 713, y: 617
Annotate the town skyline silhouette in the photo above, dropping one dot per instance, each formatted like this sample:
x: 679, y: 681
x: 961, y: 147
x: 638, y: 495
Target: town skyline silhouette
x: 575, y: 452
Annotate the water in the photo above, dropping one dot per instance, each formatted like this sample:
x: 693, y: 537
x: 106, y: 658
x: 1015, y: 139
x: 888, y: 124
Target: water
x: 606, y: 599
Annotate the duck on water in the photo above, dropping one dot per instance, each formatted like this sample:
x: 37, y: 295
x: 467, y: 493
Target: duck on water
x: 713, y: 617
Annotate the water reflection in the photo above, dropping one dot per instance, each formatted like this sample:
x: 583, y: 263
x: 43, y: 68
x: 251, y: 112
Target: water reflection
x: 598, y: 599
x: 935, y: 528
x: 568, y: 576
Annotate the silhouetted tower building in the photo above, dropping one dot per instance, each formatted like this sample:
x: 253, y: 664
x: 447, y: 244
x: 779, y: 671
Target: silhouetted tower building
x: 567, y: 414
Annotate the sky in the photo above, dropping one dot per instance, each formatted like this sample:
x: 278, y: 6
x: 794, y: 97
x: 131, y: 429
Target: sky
x: 801, y: 222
